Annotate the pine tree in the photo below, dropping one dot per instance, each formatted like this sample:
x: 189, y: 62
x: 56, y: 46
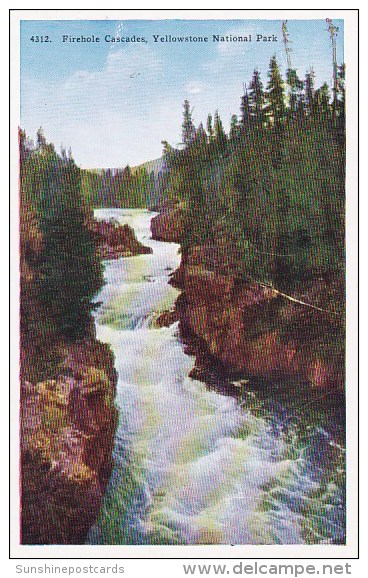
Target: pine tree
x: 41, y: 140
x: 244, y: 110
x: 188, y: 128
x: 200, y: 143
x: 256, y: 99
x: 209, y: 127
x: 340, y: 98
x: 295, y: 95
x: 234, y: 127
x: 275, y: 97
x: 309, y: 93
x: 321, y: 104
x: 220, y: 135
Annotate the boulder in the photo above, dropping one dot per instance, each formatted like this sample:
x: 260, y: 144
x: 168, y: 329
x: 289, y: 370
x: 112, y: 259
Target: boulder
x: 168, y: 225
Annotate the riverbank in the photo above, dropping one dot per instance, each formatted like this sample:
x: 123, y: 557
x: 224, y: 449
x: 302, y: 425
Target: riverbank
x: 250, y: 329
x: 68, y: 425
x: 115, y: 240
x: 196, y: 464
x: 68, y: 417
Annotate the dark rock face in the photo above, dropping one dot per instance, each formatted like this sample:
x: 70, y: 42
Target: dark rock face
x: 166, y: 318
x: 168, y: 225
x: 248, y: 328
x: 67, y: 434
x: 115, y: 240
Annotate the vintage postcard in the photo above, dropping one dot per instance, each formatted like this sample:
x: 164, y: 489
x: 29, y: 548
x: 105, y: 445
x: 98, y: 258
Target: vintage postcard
x: 184, y: 195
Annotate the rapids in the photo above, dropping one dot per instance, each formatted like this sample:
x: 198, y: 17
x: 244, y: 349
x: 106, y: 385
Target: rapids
x: 193, y: 466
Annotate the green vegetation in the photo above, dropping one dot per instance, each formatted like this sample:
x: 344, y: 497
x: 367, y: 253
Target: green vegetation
x: 270, y: 195
x: 60, y: 271
x: 117, y: 188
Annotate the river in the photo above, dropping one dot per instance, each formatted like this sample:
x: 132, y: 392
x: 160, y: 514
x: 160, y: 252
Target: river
x: 194, y: 466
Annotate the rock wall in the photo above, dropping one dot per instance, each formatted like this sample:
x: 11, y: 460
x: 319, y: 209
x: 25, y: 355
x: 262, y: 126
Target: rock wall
x: 250, y: 329
x: 168, y: 225
x: 67, y: 433
x: 115, y: 240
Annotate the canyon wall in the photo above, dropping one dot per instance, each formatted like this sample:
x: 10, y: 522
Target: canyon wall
x: 251, y: 329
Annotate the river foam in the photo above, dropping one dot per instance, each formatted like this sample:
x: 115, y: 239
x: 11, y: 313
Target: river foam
x: 192, y: 466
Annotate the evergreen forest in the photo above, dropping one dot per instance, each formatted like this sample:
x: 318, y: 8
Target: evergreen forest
x: 269, y: 195
x: 60, y: 270
x: 266, y: 200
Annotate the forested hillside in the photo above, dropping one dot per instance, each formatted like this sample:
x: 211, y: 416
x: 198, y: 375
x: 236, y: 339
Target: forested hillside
x: 266, y: 203
x: 125, y: 187
x: 60, y: 268
x: 274, y: 186
x: 68, y: 379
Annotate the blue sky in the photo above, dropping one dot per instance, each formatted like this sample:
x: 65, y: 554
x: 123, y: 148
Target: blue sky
x: 113, y: 103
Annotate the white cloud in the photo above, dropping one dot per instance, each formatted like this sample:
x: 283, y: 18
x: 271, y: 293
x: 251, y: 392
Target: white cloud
x: 99, y: 113
x: 238, y: 47
x: 230, y: 53
x: 196, y: 87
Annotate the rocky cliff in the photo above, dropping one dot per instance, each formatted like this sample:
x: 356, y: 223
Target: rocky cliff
x: 168, y: 225
x: 115, y: 240
x: 67, y: 413
x: 68, y: 424
x: 251, y: 329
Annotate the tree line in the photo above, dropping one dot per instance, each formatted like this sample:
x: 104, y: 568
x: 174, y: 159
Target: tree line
x: 270, y: 194
x: 60, y: 269
x: 123, y: 187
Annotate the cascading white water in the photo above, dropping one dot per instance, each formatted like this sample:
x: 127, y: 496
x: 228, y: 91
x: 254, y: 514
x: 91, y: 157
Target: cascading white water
x: 191, y: 465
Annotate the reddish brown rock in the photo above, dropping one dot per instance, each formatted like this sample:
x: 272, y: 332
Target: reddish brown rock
x: 115, y: 240
x: 254, y: 330
x: 67, y: 433
x: 250, y: 328
x: 168, y: 225
x: 166, y: 318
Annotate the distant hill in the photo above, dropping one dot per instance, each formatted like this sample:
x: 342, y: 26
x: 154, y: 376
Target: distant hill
x: 154, y: 166
x: 137, y: 186
x: 157, y: 168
